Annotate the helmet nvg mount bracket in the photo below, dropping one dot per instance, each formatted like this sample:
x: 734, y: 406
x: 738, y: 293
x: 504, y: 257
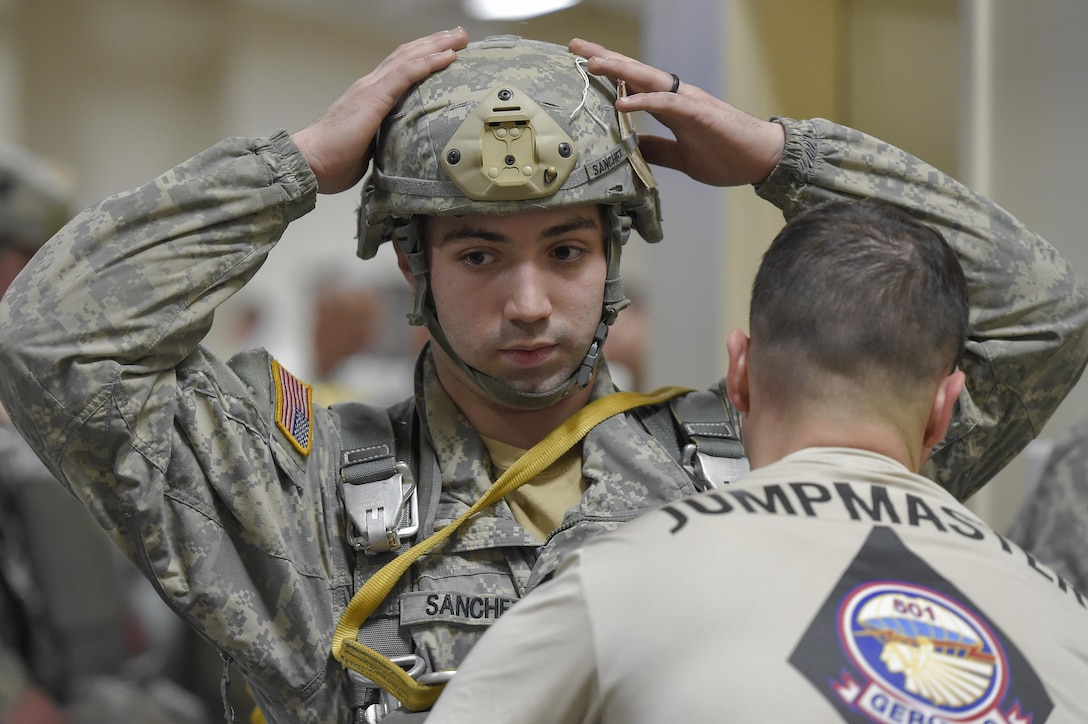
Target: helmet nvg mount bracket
x: 511, y: 125
x: 508, y: 149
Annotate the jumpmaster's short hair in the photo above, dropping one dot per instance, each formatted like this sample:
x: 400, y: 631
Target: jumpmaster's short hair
x: 511, y: 125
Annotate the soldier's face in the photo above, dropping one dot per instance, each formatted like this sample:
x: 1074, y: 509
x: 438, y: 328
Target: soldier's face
x: 519, y: 297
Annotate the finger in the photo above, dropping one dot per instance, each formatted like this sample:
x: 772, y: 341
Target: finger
x: 670, y: 109
x: 640, y: 78
x: 589, y: 49
x: 419, y: 68
x: 603, y: 61
x: 659, y: 150
x: 336, y: 143
x: 452, y: 39
x: 414, y: 61
x: 410, y: 63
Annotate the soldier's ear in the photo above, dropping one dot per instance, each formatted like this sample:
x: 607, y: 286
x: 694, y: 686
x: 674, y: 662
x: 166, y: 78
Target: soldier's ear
x: 940, y: 412
x: 736, y: 379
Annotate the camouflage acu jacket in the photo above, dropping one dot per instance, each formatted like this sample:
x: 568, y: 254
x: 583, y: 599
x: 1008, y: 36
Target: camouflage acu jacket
x: 177, y: 455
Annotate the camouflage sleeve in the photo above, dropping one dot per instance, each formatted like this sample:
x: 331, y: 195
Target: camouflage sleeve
x: 127, y: 289
x: 1053, y: 522
x: 1029, y: 307
x: 176, y: 453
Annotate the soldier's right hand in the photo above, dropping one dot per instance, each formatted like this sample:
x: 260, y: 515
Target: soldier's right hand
x: 337, y: 144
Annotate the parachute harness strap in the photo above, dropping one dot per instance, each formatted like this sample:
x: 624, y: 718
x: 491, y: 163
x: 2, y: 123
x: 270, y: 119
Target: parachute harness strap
x: 388, y: 675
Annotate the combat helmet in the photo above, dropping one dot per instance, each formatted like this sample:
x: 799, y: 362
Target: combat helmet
x: 511, y: 125
x: 34, y: 199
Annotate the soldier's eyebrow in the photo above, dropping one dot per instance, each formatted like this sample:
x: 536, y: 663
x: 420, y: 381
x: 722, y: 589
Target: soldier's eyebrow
x: 576, y: 223
x: 472, y: 232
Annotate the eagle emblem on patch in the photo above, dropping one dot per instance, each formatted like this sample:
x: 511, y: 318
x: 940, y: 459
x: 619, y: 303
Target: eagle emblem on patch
x: 294, y: 408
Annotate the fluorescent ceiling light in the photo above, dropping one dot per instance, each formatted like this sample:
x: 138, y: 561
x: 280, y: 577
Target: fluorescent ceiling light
x: 513, y: 9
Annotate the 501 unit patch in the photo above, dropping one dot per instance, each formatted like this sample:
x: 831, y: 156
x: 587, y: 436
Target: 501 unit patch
x: 897, y: 643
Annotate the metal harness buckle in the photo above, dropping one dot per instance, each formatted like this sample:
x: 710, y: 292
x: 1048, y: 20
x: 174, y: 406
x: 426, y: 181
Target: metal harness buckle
x: 415, y: 666
x: 711, y: 471
x: 382, y: 511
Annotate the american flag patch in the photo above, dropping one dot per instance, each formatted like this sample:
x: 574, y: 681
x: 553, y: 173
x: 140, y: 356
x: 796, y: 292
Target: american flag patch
x: 294, y: 407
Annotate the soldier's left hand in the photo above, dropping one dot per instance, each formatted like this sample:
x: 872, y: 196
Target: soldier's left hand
x: 714, y: 142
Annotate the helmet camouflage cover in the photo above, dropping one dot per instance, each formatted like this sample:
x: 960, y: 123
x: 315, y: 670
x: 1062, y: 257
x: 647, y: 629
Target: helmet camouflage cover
x: 512, y: 125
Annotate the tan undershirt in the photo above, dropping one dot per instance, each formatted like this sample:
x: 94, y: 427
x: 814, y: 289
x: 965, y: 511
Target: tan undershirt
x: 539, y: 504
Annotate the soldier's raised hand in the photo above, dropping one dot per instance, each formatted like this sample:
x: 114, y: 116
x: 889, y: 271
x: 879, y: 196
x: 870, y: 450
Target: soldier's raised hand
x: 714, y: 142
x: 337, y: 144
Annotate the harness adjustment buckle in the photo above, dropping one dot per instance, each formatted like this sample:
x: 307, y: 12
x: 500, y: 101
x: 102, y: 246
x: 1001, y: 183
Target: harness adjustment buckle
x: 414, y: 665
x: 383, y: 511
x: 711, y: 471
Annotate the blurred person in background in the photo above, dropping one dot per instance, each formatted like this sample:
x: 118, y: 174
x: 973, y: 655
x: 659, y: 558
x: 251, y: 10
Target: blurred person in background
x: 76, y: 644
x: 1052, y: 522
x: 361, y: 348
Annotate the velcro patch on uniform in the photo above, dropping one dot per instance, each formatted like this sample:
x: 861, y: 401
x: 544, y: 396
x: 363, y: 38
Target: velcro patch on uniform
x: 294, y: 408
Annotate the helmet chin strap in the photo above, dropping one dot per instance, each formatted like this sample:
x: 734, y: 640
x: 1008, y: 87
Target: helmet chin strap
x: 508, y: 395
x: 408, y: 239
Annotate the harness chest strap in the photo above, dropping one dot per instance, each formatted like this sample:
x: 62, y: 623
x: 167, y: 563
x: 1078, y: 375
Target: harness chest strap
x: 379, y: 669
x: 714, y: 456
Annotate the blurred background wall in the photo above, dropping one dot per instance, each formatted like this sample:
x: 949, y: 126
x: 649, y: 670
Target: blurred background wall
x: 991, y: 91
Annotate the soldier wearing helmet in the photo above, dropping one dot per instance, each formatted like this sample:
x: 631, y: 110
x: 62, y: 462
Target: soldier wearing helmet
x: 507, y: 177
x: 545, y: 137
